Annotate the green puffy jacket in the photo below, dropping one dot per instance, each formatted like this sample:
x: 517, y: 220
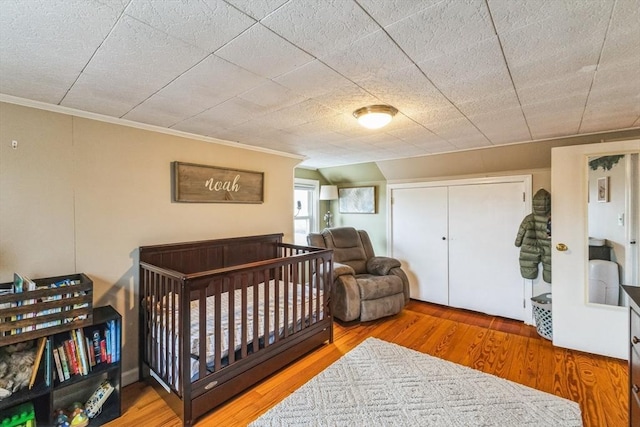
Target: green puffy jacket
x: 534, y: 238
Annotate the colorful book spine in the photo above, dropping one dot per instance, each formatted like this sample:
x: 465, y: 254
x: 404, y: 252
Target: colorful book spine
x: 118, y: 340
x: 90, y: 354
x: 66, y: 371
x: 70, y: 350
x: 107, y: 336
x: 56, y: 359
x: 95, y: 337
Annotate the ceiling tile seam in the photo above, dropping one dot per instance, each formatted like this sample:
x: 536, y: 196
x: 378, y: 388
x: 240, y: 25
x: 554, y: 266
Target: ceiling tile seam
x: 94, y: 53
x: 595, y: 72
x: 506, y: 64
x: 268, y: 14
x: 190, y: 68
x: 255, y: 22
x: 426, y: 77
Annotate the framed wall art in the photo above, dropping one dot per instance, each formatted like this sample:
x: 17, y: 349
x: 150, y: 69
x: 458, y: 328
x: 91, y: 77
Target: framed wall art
x: 357, y: 200
x: 209, y: 184
x: 603, y: 189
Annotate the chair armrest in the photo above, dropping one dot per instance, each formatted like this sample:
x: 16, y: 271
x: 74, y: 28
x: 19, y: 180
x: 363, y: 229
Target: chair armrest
x: 342, y: 270
x: 381, y: 265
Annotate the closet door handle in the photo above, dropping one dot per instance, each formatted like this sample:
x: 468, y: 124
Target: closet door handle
x: 444, y: 238
x: 561, y: 247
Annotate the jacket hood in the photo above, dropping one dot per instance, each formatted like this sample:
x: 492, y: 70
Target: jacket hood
x: 542, y: 203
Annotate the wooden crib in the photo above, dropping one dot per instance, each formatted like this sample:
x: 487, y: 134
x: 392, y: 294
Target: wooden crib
x: 218, y: 316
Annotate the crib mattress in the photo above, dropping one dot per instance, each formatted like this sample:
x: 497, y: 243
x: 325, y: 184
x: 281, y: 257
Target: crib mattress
x: 262, y: 314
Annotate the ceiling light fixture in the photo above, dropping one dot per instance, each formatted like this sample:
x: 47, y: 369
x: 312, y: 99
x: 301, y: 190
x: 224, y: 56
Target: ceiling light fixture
x: 375, y: 116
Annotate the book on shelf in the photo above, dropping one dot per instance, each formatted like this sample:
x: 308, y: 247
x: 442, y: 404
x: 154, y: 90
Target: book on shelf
x: 56, y: 360
x: 70, y: 349
x: 95, y: 340
x: 36, y: 364
x: 65, y: 364
x: 90, y: 354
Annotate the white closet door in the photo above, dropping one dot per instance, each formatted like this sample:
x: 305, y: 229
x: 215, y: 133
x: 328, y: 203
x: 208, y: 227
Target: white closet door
x: 484, y: 273
x: 419, y: 233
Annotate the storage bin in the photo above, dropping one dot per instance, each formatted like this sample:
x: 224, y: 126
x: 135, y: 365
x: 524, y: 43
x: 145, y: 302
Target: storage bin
x: 58, y: 304
x: 542, y: 315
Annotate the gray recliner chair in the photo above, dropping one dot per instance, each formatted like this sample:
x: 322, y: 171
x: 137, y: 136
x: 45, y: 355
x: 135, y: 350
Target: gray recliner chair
x: 365, y: 286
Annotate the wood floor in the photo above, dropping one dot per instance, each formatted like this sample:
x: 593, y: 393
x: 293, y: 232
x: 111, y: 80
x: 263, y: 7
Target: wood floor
x: 503, y: 347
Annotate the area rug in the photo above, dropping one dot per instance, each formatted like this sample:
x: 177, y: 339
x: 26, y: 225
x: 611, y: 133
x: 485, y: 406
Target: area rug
x: 383, y: 384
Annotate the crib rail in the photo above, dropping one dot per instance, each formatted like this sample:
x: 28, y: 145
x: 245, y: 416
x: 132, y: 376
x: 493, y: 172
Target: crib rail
x: 239, y: 312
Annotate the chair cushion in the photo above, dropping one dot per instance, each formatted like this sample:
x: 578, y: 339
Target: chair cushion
x: 374, y: 287
x: 381, y: 265
x: 347, y: 247
x: 381, y: 307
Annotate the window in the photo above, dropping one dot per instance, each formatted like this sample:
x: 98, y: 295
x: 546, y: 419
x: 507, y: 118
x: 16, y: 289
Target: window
x: 305, y: 209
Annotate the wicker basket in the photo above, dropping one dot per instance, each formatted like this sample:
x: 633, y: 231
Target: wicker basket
x: 542, y: 314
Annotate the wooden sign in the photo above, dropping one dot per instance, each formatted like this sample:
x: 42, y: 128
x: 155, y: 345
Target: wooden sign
x: 209, y: 184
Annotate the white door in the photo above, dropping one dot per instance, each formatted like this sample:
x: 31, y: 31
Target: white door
x: 484, y: 272
x: 419, y: 240
x: 577, y: 324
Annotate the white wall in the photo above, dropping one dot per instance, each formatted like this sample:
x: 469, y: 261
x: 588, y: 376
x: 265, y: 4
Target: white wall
x: 81, y: 195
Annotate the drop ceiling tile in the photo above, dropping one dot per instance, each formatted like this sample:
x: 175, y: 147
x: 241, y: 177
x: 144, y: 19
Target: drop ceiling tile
x: 437, y: 145
x: 327, y: 26
x: 272, y: 96
x: 347, y: 100
x: 431, y: 118
x: 560, y: 116
x: 193, y: 21
x: 460, y: 129
x: 412, y: 132
x: 226, y: 115
x: 623, y: 37
x: 298, y: 114
x: 314, y: 79
x: 196, y: 90
x: 150, y: 53
x: 474, y: 72
x: 257, y: 9
x: 375, y: 54
x: 447, y: 26
x: 206, y: 85
x: 407, y: 89
x: 513, y: 15
x: 558, y: 46
x: 44, y: 45
x: 159, y: 110
x: 492, y: 102
x: 468, y: 142
x: 264, y: 53
x: 502, y: 126
x: 390, y: 11
x: 97, y: 94
x: 572, y: 84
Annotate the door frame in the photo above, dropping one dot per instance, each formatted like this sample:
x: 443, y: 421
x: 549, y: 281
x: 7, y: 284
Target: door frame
x: 525, y: 179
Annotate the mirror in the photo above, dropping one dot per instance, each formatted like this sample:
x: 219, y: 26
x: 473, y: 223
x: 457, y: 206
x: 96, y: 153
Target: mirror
x: 613, y: 223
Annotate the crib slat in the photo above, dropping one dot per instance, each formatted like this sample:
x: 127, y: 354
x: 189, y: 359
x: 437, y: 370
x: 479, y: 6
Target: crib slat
x: 256, y: 298
x: 217, y: 326
x: 202, y: 332
x: 245, y: 331
x: 231, y: 289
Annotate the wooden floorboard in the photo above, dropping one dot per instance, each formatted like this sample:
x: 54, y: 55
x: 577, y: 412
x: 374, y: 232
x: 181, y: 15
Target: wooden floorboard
x: 502, y: 347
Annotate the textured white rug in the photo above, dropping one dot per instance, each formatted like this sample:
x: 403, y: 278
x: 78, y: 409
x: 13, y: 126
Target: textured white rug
x: 383, y: 384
